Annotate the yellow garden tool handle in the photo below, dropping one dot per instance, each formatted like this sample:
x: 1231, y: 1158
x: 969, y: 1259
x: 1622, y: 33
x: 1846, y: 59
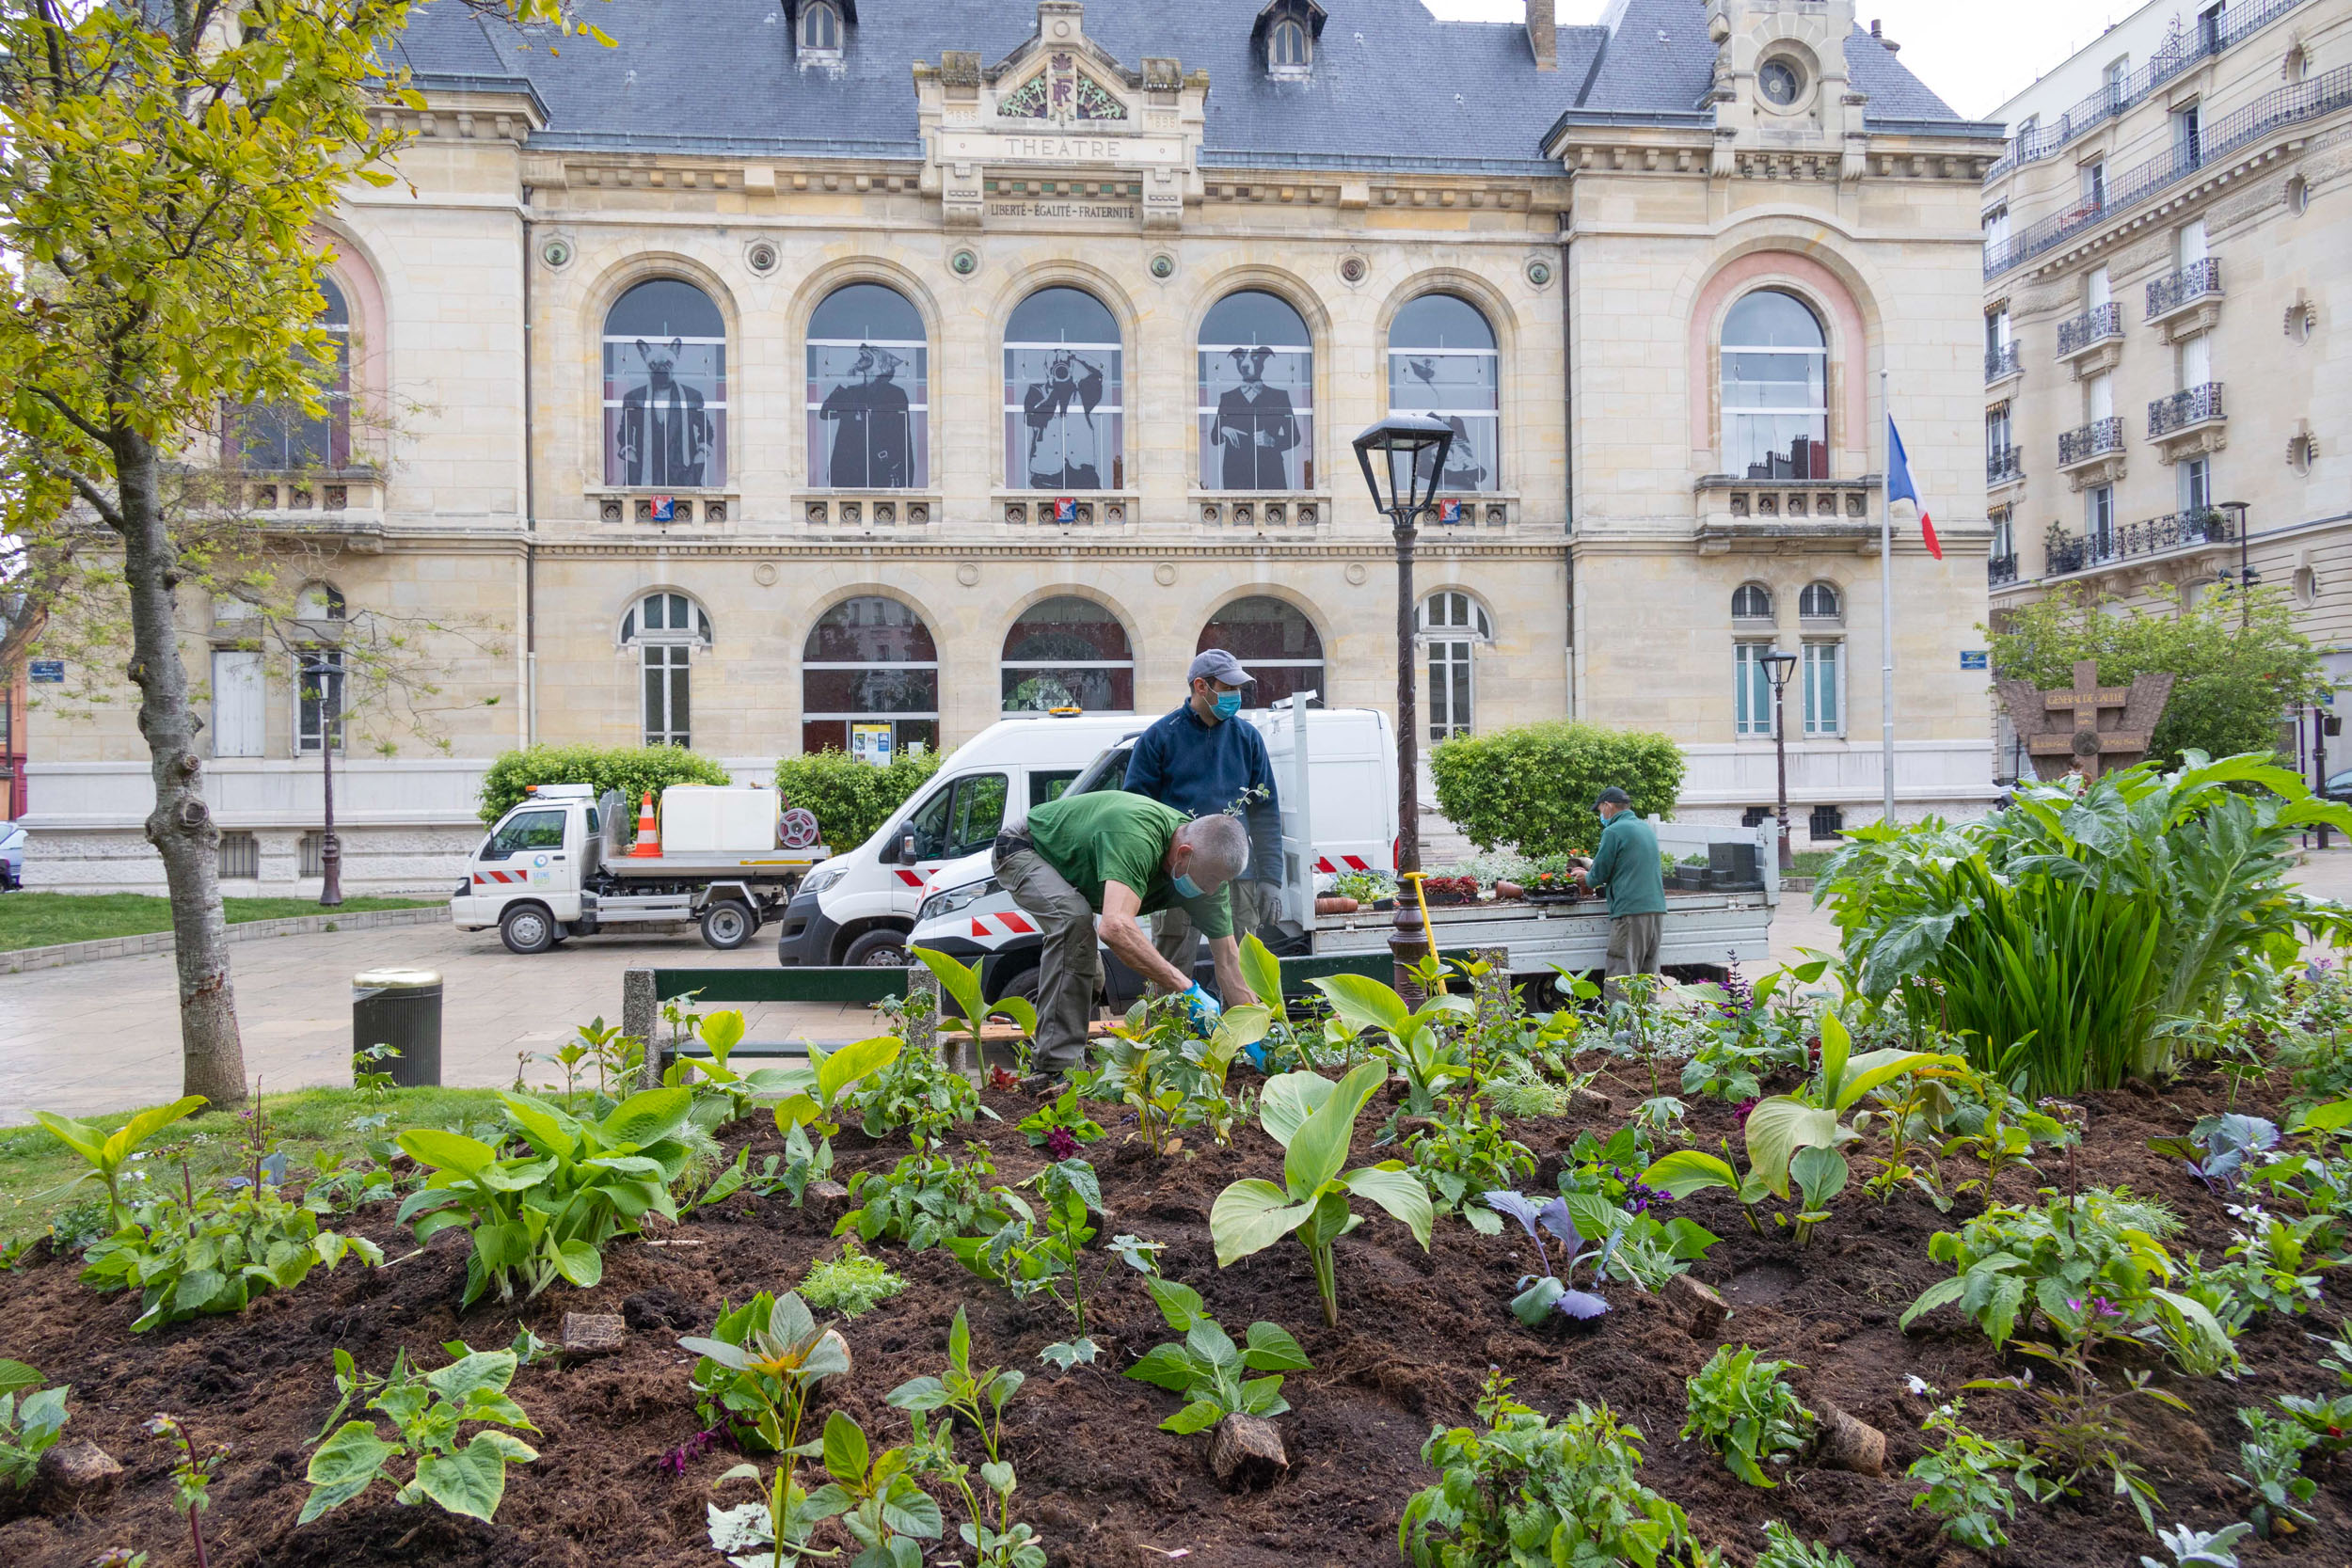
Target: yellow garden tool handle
x: 1421, y: 901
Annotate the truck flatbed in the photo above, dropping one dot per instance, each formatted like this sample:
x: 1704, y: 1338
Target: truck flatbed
x: 1701, y: 929
x: 749, y: 866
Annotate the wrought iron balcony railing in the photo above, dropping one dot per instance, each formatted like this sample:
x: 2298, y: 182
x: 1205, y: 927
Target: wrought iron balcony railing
x: 2000, y: 363
x: 2095, y: 324
x: 2095, y: 439
x: 2193, y: 406
x: 2153, y: 536
x: 2192, y: 282
x: 2003, y: 465
x: 2000, y: 569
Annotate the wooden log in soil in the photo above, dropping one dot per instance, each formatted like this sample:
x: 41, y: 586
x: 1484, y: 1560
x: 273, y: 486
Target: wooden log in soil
x: 1702, y: 1310
x: 1246, y: 1453
x: 75, y: 1477
x: 594, y: 1333
x: 1842, y: 1443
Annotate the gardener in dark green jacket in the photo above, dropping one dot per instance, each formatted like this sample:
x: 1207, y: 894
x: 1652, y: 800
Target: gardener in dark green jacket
x: 1627, y: 865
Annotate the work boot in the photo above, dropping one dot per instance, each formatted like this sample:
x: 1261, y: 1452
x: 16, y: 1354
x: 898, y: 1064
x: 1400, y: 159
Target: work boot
x: 1047, y: 1084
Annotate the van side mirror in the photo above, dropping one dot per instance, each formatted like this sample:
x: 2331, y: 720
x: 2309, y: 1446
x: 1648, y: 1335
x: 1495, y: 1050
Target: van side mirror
x: 907, y: 855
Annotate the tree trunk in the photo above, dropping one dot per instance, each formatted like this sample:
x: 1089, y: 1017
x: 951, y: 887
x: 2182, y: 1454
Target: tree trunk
x: 181, y: 828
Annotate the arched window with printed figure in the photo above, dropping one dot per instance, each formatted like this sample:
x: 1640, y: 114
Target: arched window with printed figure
x: 1775, y: 388
x: 1068, y: 653
x: 665, y: 388
x: 1065, y: 383
x: 868, y: 391
x: 1257, y: 401
x: 284, y: 436
x: 1443, y: 361
x: 667, y: 630
x: 1452, y: 625
x: 1275, y: 642
x: 869, y: 660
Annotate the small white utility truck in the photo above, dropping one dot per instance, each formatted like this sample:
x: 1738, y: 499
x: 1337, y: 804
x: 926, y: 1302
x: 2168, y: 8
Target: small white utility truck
x: 559, y: 865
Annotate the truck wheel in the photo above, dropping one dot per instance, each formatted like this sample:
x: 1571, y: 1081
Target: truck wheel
x: 882, y: 949
x: 527, y: 928
x: 1025, y: 985
x: 727, y: 927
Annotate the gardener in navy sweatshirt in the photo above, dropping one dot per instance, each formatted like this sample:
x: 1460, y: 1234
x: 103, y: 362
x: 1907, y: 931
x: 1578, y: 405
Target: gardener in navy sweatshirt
x: 1203, y: 759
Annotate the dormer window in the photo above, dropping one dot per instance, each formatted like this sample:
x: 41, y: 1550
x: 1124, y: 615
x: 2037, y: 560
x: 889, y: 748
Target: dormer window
x: 1286, y: 31
x: 817, y: 30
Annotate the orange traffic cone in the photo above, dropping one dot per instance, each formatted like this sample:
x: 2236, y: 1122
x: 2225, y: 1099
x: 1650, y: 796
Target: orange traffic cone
x: 648, y: 833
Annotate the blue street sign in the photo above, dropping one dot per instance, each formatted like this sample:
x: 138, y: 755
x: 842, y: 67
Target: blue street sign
x: 1975, y: 659
x: 48, y: 671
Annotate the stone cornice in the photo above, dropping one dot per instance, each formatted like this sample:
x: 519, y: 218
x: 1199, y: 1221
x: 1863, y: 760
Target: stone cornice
x: 770, y: 549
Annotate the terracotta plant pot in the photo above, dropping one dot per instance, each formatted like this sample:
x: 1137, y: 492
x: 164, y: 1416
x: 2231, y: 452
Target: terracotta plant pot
x: 1335, y: 906
x: 1509, y: 890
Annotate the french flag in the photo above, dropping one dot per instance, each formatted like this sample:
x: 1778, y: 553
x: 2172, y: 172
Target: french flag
x: 1900, y: 488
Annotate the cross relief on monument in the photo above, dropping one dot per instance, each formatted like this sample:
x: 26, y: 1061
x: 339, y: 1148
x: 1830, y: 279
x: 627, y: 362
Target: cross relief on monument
x: 2068, y: 730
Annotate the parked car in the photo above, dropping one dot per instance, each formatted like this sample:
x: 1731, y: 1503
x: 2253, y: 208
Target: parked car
x: 12, y: 856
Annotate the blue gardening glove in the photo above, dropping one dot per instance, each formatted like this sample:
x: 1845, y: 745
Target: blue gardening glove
x: 1204, y: 1008
x: 1255, y: 1051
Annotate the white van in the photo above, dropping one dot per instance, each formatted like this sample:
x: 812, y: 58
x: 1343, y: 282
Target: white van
x: 858, y: 907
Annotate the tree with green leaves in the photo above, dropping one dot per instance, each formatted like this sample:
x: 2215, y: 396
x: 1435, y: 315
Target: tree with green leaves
x: 162, y: 166
x: 2240, y: 663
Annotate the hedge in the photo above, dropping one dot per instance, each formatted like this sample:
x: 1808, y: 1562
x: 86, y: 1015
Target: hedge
x: 631, y: 769
x: 852, y: 799
x: 1534, y: 787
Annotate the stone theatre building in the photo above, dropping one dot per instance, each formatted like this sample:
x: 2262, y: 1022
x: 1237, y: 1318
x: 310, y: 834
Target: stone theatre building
x: 798, y: 373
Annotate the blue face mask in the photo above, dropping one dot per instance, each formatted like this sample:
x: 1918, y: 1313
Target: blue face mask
x: 1227, y: 704
x: 1186, y: 887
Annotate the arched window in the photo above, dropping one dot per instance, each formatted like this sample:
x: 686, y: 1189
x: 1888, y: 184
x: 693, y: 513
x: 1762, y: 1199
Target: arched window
x: 282, y: 436
x: 666, y: 630
x: 319, y: 601
x: 820, y: 28
x: 1065, y: 417
x: 1452, y: 624
x: 868, y: 391
x: 1287, y: 45
x: 1068, y: 651
x: 869, y: 669
x: 1257, y: 403
x: 1751, y: 601
x: 1443, y: 360
x: 1775, y: 388
x: 1821, y: 602
x: 1275, y: 642
x: 665, y: 388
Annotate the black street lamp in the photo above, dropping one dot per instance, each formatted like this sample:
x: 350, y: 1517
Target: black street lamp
x: 1403, y: 457
x: 1778, y: 667
x: 327, y: 693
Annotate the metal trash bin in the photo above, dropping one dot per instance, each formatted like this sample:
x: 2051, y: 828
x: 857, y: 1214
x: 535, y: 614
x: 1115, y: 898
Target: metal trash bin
x: 402, y: 1008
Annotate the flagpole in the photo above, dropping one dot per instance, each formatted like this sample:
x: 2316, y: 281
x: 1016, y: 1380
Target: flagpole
x: 1886, y: 597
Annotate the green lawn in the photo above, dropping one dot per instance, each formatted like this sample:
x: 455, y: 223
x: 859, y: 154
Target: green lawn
x: 43, y: 919
x: 35, y: 1167
x: 1812, y: 862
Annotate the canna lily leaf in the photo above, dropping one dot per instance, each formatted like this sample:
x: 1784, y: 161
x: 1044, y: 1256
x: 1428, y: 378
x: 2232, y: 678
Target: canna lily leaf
x: 961, y: 983
x: 852, y: 1062
x: 1780, y: 1126
x: 1687, y: 1171
x: 1251, y: 1216
x: 1319, y: 1148
x: 1263, y: 972
x: 1289, y: 1099
x: 1366, y: 1003
x: 1398, y: 1191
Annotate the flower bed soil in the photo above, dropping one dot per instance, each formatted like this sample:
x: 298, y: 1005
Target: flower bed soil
x: 1106, y: 1488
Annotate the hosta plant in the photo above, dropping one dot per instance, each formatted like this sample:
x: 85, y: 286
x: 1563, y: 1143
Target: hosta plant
x: 426, y: 1412
x: 1464, y: 1153
x: 1207, y: 1370
x: 1315, y: 1120
x: 1739, y: 1407
x: 544, y: 1215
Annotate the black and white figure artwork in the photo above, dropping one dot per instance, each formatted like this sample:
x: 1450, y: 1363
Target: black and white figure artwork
x: 665, y: 389
x: 1065, y: 418
x: 1442, y: 362
x: 868, y: 391
x: 1257, y: 396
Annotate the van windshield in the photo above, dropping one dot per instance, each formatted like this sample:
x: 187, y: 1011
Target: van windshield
x: 530, y: 830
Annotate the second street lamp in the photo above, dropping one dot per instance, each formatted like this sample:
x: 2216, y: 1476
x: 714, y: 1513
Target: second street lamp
x: 1778, y: 667
x: 1403, y: 457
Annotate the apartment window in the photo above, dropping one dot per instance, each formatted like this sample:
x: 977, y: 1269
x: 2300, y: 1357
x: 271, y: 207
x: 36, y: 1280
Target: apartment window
x: 1824, y: 711
x: 2117, y: 79
x: 2188, y: 243
x: 1453, y: 624
x: 2004, y: 533
x: 665, y: 630
x: 1821, y: 602
x: 1751, y: 601
x: 1995, y: 332
x: 1288, y: 48
x: 2095, y: 186
x: 1996, y: 434
x: 2187, y: 137
x: 2209, y: 28
x: 820, y: 28
x: 2099, y: 519
x: 319, y: 700
x: 2197, y: 486
x: 1995, y: 230
x: 240, y: 858
x: 2097, y: 288
x: 1751, y: 689
x: 2099, y: 397
x: 240, y: 717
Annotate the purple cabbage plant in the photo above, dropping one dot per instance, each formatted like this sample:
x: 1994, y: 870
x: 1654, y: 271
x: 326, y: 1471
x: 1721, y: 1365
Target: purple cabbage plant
x: 1541, y: 1296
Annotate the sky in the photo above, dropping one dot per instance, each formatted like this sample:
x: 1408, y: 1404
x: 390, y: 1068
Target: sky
x: 1975, y: 55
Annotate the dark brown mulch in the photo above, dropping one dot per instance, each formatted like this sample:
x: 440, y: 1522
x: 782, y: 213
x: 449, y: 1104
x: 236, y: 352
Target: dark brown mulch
x: 1105, y: 1487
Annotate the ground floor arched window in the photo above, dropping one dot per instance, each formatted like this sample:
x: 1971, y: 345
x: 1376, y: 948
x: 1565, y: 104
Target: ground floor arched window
x: 1274, y: 641
x: 869, y: 672
x: 1068, y: 653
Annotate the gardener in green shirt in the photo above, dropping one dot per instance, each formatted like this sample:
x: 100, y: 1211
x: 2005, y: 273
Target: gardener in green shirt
x: 1627, y: 865
x: 1118, y: 855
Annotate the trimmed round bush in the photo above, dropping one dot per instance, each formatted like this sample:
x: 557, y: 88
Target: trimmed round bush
x: 1533, y: 788
x: 631, y: 769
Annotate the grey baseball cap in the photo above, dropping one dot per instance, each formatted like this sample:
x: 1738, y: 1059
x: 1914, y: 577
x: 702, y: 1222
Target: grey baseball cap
x: 1613, y: 796
x: 1221, y: 666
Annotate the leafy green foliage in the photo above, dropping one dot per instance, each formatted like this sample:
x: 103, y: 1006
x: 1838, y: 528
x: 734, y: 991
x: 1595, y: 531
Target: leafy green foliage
x: 1205, y: 1370
x: 929, y: 1197
x: 1064, y: 1113
x: 1965, y: 1481
x: 1526, y: 1493
x: 2271, y: 1454
x: 108, y: 1153
x: 1314, y: 1121
x: 851, y: 1284
x: 759, y: 1368
x: 2239, y: 660
x: 977, y: 1401
x: 1782, y: 1124
x: 2192, y: 1547
x: 1029, y: 1258
x: 816, y: 1096
x: 1533, y: 786
x: 1738, y: 1406
x: 427, y: 1412
x: 631, y: 769
x: 2079, y: 927
x: 852, y: 799
x: 1464, y: 1154
x: 1426, y: 1044
x: 1155, y: 1062
x: 917, y: 1091
x: 1785, y: 1548
x: 2077, y: 1426
x: 30, y: 1420
x: 547, y: 1214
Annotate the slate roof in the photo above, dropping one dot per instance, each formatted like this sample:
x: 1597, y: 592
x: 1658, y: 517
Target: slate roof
x: 1391, y: 87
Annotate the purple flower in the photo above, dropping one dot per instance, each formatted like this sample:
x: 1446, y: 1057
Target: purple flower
x: 1060, y: 1143
x: 1739, y: 1113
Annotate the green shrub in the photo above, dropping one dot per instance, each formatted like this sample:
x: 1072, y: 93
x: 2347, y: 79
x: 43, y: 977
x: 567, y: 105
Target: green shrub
x: 852, y: 799
x: 1532, y: 787
x: 631, y: 769
x: 849, y: 1284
